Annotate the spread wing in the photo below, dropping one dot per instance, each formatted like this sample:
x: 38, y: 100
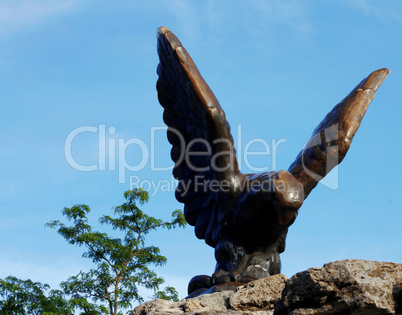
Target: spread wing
x: 203, y: 152
x: 331, y: 139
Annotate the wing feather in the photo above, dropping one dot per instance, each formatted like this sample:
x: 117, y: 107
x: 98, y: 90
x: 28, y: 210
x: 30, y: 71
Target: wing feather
x: 331, y: 139
x: 197, y: 128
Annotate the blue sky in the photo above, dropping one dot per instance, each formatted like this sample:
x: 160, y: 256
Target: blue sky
x: 277, y: 68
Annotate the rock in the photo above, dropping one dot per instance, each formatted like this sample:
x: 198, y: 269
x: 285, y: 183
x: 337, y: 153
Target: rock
x: 208, y: 302
x: 258, y: 295
x: 349, y: 286
x: 158, y: 306
x: 342, y: 287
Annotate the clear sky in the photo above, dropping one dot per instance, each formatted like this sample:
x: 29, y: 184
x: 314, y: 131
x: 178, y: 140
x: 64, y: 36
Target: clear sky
x: 88, y: 68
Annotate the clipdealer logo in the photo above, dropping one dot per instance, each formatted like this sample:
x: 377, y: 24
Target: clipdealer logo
x: 112, y: 151
x: 111, y: 155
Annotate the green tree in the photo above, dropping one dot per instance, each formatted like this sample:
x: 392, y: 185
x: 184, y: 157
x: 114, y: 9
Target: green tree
x: 169, y: 293
x: 121, y: 263
x: 20, y: 297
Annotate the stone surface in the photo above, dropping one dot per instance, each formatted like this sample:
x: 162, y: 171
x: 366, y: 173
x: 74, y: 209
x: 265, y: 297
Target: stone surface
x: 158, y: 307
x: 258, y: 295
x: 341, y: 287
x: 208, y: 302
x: 349, y: 286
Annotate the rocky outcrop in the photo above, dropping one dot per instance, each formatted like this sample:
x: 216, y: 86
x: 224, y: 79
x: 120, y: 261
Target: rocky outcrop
x: 342, y: 287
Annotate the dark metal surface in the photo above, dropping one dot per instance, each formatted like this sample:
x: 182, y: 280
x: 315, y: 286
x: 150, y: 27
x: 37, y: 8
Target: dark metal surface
x: 245, y: 217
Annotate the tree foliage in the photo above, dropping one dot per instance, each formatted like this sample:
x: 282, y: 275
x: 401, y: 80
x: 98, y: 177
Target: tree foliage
x: 121, y: 263
x: 20, y: 297
x: 169, y: 293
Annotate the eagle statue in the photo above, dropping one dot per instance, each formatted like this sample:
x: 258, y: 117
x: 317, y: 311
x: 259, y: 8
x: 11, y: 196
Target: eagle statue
x: 245, y: 217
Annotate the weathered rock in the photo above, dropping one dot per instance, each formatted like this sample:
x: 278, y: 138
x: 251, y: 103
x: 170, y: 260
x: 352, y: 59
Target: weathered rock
x: 258, y: 295
x: 349, y: 286
x: 208, y: 302
x: 342, y: 287
x: 159, y: 307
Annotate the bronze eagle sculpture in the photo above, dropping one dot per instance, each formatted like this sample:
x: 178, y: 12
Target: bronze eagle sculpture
x: 245, y: 217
